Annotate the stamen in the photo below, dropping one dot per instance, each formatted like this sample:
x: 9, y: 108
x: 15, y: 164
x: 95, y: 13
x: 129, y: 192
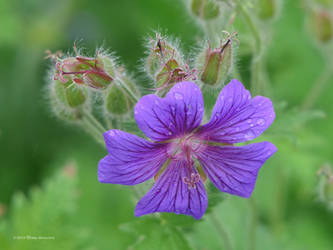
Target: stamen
x: 195, y: 178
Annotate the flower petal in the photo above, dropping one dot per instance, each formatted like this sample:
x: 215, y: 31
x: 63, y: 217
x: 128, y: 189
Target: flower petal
x: 236, y: 117
x: 171, y: 194
x: 179, y: 112
x: 234, y: 169
x: 131, y: 159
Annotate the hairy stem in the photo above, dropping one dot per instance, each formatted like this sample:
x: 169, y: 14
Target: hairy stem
x: 256, y: 83
x: 221, y: 231
x: 94, y: 121
x: 128, y: 90
x: 92, y: 130
x: 317, y: 88
x: 211, y: 32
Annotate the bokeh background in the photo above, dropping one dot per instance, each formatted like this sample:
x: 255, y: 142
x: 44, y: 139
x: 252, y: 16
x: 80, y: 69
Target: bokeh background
x: 82, y: 213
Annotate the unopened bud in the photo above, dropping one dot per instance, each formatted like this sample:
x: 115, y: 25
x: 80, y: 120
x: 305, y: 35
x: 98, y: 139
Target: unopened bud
x: 117, y: 100
x: 214, y: 65
x: 75, y: 95
x: 166, y: 66
x: 70, y: 94
x: 205, y: 9
x: 160, y: 52
x: 85, y: 71
x: 170, y: 74
x: 322, y: 25
x: 66, y: 99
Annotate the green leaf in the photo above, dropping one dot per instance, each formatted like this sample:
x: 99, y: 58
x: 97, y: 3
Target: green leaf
x: 154, y: 233
x: 44, y: 220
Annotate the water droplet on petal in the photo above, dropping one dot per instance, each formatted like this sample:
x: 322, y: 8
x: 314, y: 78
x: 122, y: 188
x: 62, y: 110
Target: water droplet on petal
x: 251, y: 125
x: 170, y: 133
x: 261, y: 122
x: 249, y: 135
x: 179, y: 96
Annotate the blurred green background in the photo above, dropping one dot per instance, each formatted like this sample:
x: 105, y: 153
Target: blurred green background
x: 85, y: 214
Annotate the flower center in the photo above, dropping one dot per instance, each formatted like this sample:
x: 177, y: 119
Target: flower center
x: 186, y: 148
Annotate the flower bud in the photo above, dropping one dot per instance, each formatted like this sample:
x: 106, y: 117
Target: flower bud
x: 84, y: 70
x: 166, y: 66
x: 117, y: 100
x: 266, y: 9
x: 170, y: 74
x: 66, y: 99
x: 322, y: 25
x: 205, y: 9
x: 160, y: 52
x: 214, y: 64
x: 70, y: 95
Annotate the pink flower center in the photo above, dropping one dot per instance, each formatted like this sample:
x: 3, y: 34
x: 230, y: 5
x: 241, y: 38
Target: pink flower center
x: 186, y: 148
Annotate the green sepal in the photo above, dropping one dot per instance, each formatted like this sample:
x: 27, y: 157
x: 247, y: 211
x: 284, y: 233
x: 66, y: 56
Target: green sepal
x: 117, y: 101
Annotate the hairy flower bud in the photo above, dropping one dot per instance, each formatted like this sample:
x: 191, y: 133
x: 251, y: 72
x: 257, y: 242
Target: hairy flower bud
x: 322, y: 25
x: 117, y: 100
x: 67, y: 99
x: 214, y: 65
x: 165, y: 65
x: 160, y: 52
x: 205, y: 9
x: 85, y: 70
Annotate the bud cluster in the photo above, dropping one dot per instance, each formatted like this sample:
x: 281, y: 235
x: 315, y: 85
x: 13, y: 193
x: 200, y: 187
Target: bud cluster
x: 76, y: 78
x: 165, y: 64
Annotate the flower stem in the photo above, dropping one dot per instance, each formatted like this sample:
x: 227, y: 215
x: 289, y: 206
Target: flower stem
x: 253, y: 225
x: 92, y: 126
x: 128, y: 90
x: 94, y: 121
x: 221, y: 231
x: 92, y: 130
x: 317, y: 89
x: 256, y: 83
x: 210, y: 31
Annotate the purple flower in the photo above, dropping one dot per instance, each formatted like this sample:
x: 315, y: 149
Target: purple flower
x: 181, y: 152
